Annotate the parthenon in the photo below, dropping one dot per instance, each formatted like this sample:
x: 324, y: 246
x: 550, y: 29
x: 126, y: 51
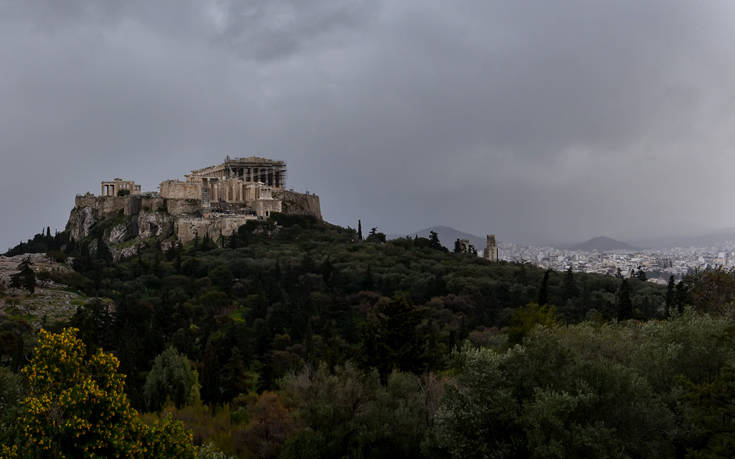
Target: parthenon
x: 252, y: 169
x: 249, y: 182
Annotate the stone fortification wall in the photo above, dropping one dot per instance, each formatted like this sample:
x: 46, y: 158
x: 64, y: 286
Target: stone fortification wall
x: 152, y: 215
x: 189, y: 227
x: 106, y: 205
x: 85, y: 200
x: 183, y: 206
x: 300, y: 203
x: 265, y: 207
x: 176, y: 189
x: 153, y: 203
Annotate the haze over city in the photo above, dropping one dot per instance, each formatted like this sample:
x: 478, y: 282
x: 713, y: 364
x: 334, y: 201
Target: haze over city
x: 535, y: 121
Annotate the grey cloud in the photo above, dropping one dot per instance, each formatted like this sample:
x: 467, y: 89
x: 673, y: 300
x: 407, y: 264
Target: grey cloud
x: 265, y: 30
x: 534, y: 120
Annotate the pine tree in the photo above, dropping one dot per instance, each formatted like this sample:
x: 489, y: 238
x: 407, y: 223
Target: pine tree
x: 434, y: 242
x: 103, y: 252
x: 25, y: 277
x: 624, y: 306
x: 543, y: 292
x: 368, y: 283
x: 391, y: 339
x: 327, y: 270
x: 235, y: 378
x: 570, y: 285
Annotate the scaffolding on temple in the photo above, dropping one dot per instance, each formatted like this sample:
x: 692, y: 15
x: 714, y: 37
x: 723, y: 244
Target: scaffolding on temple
x: 250, y: 169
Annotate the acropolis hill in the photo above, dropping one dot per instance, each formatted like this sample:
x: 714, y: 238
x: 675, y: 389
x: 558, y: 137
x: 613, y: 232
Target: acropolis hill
x: 213, y: 201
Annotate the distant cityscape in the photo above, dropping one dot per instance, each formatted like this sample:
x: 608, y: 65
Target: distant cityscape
x: 658, y: 264
x: 605, y: 256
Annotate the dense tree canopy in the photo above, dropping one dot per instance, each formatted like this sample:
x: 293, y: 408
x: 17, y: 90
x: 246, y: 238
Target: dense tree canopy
x: 307, y: 341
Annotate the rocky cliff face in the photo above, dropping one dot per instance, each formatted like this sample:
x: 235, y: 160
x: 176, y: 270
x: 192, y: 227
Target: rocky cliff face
x: 155, y: 224
x: 81, y: 221
x: 301, y: 204
x: 121, y: 221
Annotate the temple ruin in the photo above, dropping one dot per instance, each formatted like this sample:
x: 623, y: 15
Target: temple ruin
x: 119, y: 187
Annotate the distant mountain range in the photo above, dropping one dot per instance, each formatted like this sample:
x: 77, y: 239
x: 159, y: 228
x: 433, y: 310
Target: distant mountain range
x: 601, y: 244
x: 447, y: 236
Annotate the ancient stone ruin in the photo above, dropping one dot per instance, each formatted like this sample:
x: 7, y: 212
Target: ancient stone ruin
x: 214, y: 201
x: 119, y: 187
x: 491, y: 250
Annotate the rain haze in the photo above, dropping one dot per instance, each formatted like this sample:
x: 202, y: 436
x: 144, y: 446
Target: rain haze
x: 537, y: 121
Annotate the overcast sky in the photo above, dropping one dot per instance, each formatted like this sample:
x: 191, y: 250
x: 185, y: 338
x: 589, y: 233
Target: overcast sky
x: 535, y: 120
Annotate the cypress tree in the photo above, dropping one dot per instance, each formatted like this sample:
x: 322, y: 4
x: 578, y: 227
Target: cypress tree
x: 670, y: 295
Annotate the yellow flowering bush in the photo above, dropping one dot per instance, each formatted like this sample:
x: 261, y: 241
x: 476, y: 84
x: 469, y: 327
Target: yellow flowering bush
x: 76, y: 407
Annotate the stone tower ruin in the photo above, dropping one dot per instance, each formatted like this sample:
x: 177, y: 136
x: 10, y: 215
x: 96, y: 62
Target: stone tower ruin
x: 491, y: 249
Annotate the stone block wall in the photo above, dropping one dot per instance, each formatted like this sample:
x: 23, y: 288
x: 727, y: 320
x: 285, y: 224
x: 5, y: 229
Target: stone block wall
x: 265, y: 207
x: 85, y: 200
x: 165, y: 216
x: 183, y: 206
x: 188, y: 227
x: 130, y: 205
x: 176, y: 189
x: 300, y: 203
x: 153, y: 204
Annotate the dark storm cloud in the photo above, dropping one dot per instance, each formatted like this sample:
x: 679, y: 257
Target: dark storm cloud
x: 534, y: 120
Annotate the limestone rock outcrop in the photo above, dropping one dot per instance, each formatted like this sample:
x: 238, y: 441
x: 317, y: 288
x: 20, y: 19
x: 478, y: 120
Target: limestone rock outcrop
x: 81, y: 221
x: 120, y: 221
x: 155, y: 224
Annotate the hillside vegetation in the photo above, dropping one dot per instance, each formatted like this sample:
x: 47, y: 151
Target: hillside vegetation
x: 296, y: 338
